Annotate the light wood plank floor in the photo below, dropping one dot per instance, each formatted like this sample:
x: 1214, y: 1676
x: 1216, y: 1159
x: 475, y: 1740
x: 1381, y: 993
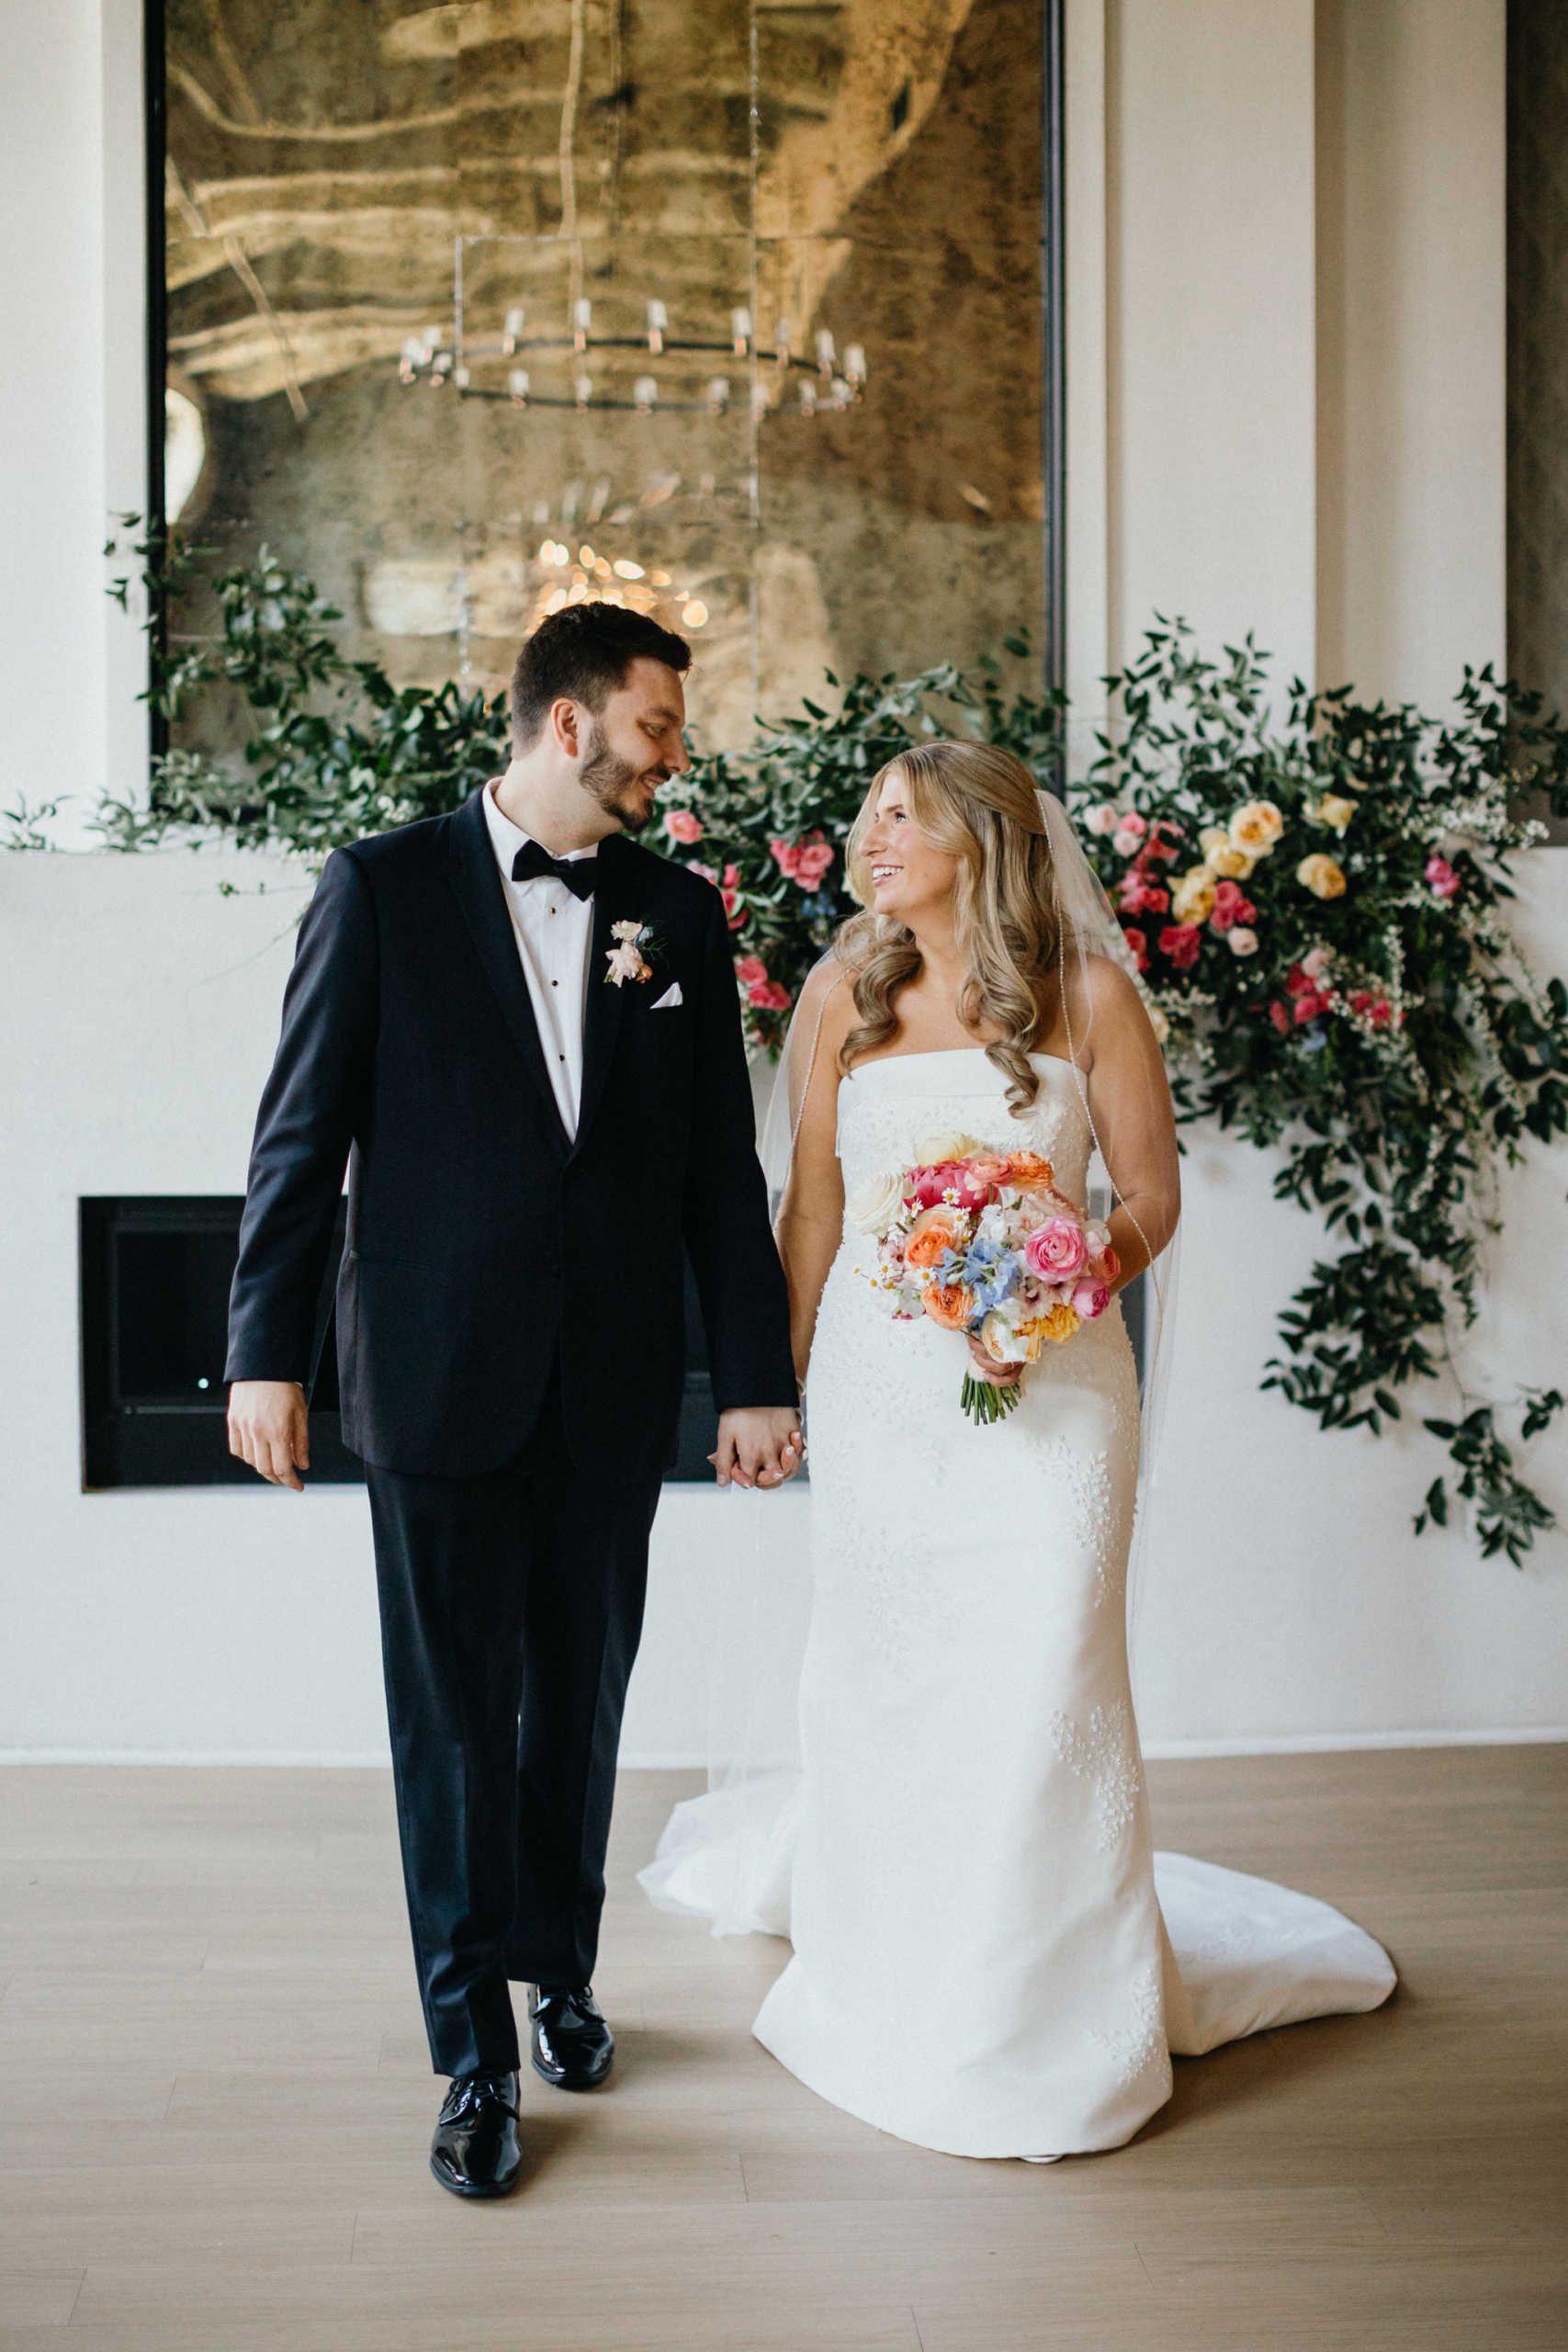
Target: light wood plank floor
x: 215, y: 2105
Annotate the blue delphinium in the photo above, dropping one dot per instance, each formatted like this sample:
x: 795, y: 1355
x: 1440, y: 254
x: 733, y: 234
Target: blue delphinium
x: 990, y: 1269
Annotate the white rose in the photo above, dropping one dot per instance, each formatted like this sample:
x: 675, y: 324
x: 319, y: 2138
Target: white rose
x: 874, y: 1204
x: 1103, y: 819
x: 1243, y: 941
x: 1000, y: 1340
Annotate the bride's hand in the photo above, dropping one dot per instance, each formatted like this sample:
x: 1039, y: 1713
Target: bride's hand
x: 1000, y: 1375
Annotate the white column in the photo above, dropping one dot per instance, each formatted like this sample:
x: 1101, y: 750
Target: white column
x: 1211, y: 339
x: 70, y: 401
x: 1412, y: 119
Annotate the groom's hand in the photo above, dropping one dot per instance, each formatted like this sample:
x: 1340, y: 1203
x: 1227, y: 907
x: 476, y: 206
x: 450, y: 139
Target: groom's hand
x: 759, y: 1446
x: 270, y: 1428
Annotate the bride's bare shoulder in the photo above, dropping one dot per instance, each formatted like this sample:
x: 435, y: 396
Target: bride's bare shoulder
x: 1101, y: 994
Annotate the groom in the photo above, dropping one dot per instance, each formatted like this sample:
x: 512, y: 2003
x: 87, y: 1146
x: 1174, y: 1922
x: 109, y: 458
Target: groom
x: 520, y: 1034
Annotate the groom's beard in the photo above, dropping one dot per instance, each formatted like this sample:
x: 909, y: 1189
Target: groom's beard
x: 625, y: 791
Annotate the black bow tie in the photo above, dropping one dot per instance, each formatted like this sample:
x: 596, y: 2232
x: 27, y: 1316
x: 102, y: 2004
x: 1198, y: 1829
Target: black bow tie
x: 534, y: 863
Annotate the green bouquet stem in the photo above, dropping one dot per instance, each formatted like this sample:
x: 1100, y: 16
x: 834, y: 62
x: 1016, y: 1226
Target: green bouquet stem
x: 985, y: 1402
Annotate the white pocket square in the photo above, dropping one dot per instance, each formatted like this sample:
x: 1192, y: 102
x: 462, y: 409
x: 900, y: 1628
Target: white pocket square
x: 671, y: 996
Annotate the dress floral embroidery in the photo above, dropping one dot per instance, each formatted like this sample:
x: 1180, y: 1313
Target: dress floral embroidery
x: 1104, y: 1755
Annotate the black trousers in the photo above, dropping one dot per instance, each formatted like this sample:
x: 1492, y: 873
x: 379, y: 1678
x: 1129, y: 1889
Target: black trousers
x: 510, y: 1612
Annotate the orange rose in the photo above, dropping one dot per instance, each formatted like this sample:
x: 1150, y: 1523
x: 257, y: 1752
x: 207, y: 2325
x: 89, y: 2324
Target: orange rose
x: 931, y: 1233
x: 951, y: 1307
x: 1028, y: 1167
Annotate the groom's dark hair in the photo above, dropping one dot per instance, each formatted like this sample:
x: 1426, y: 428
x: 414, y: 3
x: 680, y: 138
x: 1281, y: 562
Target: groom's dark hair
x: 585, y: 652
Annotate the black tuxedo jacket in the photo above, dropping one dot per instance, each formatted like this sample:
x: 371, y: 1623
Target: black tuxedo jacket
x: 482, y: 1243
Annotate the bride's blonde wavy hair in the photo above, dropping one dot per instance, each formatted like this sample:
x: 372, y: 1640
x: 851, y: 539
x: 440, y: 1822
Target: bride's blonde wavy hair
x: 978, y: 804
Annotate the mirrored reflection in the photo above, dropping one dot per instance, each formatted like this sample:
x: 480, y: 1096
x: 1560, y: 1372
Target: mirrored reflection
x: 731, y: 314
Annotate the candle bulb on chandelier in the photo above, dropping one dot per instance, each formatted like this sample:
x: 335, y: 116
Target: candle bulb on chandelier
x: 825, y: 351
x: 740, y: 329
x: 582, y: 320
x: 718, y: 394
x: 854, y: 363
x: 657, y: 320
x: 517, y: 385
x: 780, y: 343
x: 584, y: 391
x: 645, y: 391
x: 510, y: 328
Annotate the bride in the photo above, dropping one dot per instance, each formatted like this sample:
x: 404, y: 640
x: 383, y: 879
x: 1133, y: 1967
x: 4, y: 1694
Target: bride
x: 984, y: 1959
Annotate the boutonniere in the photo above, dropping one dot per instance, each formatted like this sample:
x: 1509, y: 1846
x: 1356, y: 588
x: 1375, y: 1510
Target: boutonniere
x: 629, y: 959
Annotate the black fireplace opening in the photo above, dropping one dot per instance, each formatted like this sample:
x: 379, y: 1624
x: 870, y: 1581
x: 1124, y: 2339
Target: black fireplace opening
x: 155, y: 1272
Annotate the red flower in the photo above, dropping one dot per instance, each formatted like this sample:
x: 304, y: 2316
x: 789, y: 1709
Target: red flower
x: 1231, y: 906
x: 1155, y: 846
x: 1181, y: 942
x: 749, y: 969
x: 1138, y: 942
x: 768, y: 995
x: 1308, y: 1006
x: 1280, y: 1018
x: 1138, y: 897
x: 1297, y: 983
x: 1375, y: 1009
x: 729, y: 892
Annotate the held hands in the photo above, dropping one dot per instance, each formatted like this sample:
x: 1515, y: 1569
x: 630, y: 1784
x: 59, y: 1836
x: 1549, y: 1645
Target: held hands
x: 269, y: 1428
x: 759, y: 1446
x: 1000, y: 1375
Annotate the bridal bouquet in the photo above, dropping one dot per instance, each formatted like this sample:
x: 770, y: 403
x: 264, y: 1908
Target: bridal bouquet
x: 983, y: 1243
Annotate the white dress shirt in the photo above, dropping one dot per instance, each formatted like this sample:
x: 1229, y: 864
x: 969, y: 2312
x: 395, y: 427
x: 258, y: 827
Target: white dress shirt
x: 554, y: 930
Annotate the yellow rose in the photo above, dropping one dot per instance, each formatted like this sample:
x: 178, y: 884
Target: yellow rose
x: 1222, y: 857
x: 1331, y: 810
x: 947, y: 1145
x: 1256, y: 827
x: 1058, y: 1323
x: 1319, y: 875
x: 1193, y: 899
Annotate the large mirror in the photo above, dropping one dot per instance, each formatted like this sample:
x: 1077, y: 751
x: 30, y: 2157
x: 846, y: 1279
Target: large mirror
x: 733, y: 312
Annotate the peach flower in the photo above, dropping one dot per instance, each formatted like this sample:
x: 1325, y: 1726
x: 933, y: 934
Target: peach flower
x: 951, y: 1306
x: 1028, y: 1167
x: 1255, y: 828
x: 1321, y: 876
x: 931, y: 1233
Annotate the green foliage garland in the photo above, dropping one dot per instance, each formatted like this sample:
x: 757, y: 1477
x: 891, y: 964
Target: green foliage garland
x: 1314, y: 900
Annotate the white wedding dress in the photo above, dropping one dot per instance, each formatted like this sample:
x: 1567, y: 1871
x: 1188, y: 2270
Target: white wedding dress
x: 989, y: 1959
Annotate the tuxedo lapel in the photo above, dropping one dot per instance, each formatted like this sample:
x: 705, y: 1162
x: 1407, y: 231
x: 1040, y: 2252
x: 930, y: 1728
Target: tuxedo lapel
x: 613, y: 903
x: 478, y: 885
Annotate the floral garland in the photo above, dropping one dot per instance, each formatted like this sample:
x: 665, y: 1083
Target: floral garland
x: 1314, y: 900
x: 1313, y: 906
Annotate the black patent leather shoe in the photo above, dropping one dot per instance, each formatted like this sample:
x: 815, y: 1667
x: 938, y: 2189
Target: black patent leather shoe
x: 475, y: 2151
x: 572, y: 2044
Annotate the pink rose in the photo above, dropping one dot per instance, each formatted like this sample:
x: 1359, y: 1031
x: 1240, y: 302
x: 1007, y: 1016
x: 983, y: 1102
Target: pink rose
x: 1181, y: 941
x: 1102, y: 819
x: 1130, y: 831
x: 1056, y: 1250
x: 682, y: 826
x: 990, y: 1168
x: 787, y: 856
x: 769, y: 996
x: 1441, y: 879
x: 1315, y: 963
x: 749, y: 969
x: 1231, y: 906
x: 1089, y: 1299
x: 815, y: 859
x: 1309, y: 1006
